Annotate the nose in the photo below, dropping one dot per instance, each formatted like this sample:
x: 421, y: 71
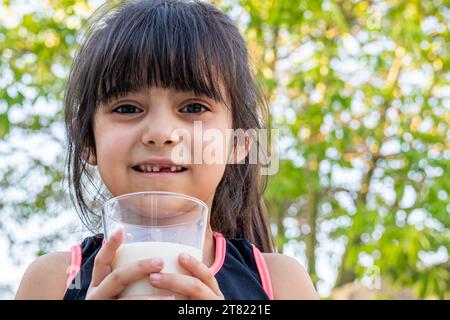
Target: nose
x: 159, y: 131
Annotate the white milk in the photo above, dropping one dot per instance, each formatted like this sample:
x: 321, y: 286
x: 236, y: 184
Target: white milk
x: 167, y: 251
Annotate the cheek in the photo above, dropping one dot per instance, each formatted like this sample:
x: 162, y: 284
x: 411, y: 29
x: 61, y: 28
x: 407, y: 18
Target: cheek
x: 217, y: 144
x: 111, y: 141
x: 113, y: 149
x: 208, y: 174
x: 205, y: 180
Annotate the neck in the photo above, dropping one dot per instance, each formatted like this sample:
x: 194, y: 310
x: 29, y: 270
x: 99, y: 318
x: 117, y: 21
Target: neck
x: 209, y: 249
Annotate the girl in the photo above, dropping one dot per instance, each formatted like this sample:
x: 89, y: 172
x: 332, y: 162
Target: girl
x: 145, y: 69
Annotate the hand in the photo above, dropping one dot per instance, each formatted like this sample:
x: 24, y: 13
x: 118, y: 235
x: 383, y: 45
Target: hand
x: 200, y: 284
x: 108, y: 284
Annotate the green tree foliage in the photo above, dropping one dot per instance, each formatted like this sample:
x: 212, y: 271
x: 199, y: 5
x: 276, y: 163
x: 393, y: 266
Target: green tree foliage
x: 37, y: 42
x: 358, y: 89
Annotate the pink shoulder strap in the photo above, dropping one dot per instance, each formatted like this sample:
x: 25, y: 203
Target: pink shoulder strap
x: 221, y: 249
x: 259, y: 260
x: 263, y: 272
x: 75, y: 263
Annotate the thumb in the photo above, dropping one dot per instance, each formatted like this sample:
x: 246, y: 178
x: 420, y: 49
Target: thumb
x: 105, y: 256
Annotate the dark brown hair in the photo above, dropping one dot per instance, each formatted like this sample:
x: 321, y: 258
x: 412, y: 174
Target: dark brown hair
x: 185, y: 45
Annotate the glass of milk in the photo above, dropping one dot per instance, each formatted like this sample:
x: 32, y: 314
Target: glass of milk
x: 156, y: 224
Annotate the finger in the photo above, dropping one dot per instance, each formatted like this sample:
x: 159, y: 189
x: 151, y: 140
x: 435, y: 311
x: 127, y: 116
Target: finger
x: 200, y: 271
x: 185, y: 285
x: 148, y: 298
x: 115, y: 282
x: 105, y: 257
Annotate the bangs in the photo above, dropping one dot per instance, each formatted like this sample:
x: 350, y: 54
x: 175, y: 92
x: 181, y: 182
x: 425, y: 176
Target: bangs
x: 149, y: 44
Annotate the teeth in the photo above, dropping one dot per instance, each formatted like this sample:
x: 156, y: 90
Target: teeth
x: 150, y: 168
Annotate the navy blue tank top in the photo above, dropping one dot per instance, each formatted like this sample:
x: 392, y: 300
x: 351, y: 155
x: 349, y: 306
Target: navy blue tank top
x: 238, y: 267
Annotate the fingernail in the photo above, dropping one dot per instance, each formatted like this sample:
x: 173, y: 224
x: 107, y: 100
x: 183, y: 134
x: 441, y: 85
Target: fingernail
x: 184, y: 257
x: 156, y: 262
x: 103, y: 242
x: 155, y: 276
x: 169, y: 297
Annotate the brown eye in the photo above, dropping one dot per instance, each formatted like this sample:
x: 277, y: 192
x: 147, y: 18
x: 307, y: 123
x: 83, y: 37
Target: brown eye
x: 194, y: 108
x: 127, y: 108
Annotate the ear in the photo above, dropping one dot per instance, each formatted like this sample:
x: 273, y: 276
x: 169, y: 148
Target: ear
x: 241, y: 148
x: 89, y: 157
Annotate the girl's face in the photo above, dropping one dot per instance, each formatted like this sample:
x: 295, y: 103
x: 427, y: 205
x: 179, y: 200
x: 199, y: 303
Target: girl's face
x: 134, y: 134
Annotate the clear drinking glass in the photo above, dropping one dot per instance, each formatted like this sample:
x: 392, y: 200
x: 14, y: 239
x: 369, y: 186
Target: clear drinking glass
x: 156, y: 224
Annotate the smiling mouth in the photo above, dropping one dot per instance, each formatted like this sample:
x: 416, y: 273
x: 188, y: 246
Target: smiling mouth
x: 159, y: 169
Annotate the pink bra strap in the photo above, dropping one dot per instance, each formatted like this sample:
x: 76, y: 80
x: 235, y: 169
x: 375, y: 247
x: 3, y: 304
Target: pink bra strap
x: 221, y: 249
x: 75, y: 263
x: 263, y: 272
